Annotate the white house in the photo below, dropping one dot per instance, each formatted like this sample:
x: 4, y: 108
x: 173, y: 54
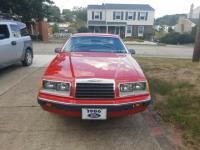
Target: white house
x: 126, y: 20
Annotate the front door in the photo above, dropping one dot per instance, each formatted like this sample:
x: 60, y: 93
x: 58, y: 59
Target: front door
x: 117, y: 30
x: 7, y: 47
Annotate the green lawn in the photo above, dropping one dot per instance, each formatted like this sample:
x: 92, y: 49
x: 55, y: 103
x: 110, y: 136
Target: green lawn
x: 175, y: 88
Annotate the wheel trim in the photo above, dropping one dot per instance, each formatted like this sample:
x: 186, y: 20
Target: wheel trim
x: 29, y: 58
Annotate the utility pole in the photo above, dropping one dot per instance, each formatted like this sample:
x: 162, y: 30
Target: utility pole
x: 196, y: 53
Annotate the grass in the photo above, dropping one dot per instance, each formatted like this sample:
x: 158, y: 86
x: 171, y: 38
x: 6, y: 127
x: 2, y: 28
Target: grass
x: 175, y: 87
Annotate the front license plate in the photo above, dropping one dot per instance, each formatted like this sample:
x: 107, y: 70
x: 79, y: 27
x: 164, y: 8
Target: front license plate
x: 94, y: 113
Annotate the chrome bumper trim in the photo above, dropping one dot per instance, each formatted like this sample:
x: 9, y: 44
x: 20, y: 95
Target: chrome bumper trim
x: 149, y: 100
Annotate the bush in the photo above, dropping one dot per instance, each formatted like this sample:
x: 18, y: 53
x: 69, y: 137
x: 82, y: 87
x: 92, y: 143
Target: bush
x: 55, y: 28
x: 177, y: 38
x: 83, y: 30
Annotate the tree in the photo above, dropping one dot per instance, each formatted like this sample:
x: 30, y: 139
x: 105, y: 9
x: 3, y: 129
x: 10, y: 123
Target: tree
x: 170, y: 30
x: 67, y: 14
x: 55, y: 28
x: 169, y: 20
x: 196, y: 53
x: 53, y: 13
x: 80, y: 13
x: 28, y: 9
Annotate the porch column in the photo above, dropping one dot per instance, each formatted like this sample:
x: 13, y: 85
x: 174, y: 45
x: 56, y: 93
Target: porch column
x: 106, y: 29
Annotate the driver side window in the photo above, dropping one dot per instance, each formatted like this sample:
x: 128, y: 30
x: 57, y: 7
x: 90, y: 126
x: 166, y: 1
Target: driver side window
x: 4, y: 32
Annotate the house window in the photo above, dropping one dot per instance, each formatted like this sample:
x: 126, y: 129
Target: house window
x: 130, y: 15
x: 142, y: 16
x: 96, y: 15
x: 118, y: 15
x: 129, y: 30
x: 140, y: 30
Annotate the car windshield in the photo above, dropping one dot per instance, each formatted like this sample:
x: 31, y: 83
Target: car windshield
x: 95, y: 44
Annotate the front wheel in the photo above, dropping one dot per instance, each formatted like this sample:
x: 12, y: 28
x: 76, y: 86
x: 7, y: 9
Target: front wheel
x: 28, y: 58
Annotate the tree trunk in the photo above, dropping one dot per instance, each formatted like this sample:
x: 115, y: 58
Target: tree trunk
x: 196, y: 53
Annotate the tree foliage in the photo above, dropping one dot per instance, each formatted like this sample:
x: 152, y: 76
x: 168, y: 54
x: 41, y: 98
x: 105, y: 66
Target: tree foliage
x: 53, y: 13
x: 78, y: 13
x: 169, y: 20
x: 28, y: 9
x: 55, y: 28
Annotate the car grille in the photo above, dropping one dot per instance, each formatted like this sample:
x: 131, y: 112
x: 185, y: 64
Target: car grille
x: 95, y: 91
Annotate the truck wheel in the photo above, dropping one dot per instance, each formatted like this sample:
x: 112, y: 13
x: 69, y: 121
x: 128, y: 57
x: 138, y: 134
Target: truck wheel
x: 28, y: 58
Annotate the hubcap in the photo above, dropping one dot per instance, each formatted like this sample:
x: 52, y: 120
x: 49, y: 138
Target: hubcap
x: 29, y: 57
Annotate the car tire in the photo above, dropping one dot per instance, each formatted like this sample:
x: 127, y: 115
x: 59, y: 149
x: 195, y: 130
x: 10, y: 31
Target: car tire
x: 28, y: 58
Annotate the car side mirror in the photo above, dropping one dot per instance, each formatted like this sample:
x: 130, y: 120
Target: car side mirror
x: 57, y: 50
x: 132, y: 51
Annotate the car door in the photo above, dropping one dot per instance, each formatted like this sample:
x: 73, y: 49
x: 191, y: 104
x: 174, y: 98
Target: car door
x: 6, y: 48
x: 17, y: 41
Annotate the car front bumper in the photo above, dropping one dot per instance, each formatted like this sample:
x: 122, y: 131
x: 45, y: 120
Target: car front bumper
x: 74, y: 110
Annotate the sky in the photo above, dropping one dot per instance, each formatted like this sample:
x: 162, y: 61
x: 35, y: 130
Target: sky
x: 162, y: 7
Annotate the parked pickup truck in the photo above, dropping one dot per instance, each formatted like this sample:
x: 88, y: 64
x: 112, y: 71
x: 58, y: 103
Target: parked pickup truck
x: 95, y: 77
x: 15, y: 44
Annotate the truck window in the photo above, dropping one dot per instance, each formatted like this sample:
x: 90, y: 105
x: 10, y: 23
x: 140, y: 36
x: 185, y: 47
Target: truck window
x: 4, y: 32
x: 15, y: 30
x: 24, y: 32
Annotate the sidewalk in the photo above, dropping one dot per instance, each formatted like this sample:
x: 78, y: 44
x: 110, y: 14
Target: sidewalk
x: 140, y: 43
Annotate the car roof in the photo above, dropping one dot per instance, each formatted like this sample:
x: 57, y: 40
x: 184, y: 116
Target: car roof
x: 95, y: 34
x: 20, y: 24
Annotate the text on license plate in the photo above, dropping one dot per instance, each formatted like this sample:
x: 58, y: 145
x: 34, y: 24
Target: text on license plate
x: 94, y: 113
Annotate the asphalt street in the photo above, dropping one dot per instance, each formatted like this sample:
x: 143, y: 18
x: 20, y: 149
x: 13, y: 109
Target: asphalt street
x: 25, y: 126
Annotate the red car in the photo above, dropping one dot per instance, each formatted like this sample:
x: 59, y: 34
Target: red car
x: 95, y: 77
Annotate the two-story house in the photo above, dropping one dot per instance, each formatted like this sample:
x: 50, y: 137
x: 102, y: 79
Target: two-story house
x: 126, y: 20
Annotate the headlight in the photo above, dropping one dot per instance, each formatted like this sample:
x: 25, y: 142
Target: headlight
x: 56, y: 87
x: 129, y: 89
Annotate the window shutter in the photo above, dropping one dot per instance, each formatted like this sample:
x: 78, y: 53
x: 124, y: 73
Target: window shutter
x: 100, y: 15
x: 134, y: 15
x: 146, y: 17
x: 93, y: 15
x: 126, y: 15
x: 122, y: 15
x: 113, y: 15
x: 138, y: 15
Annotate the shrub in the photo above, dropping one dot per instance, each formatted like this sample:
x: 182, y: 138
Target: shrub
x: 83, y: 30
x: 177, y: 38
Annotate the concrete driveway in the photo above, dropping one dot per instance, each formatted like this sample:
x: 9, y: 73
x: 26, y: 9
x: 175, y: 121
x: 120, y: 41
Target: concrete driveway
x: 25, y: 126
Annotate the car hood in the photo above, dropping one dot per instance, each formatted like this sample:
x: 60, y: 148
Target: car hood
x: 95, y: 65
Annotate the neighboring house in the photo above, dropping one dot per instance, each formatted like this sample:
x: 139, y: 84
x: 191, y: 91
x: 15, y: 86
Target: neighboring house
x: 62, y: 27
x: 126, y: 20
x: 184, y: 24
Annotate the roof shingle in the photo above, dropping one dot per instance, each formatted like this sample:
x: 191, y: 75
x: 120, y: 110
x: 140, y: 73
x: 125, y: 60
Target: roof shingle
x: 122, y: 6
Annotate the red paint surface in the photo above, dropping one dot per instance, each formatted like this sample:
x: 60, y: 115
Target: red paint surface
x: 68, y: 66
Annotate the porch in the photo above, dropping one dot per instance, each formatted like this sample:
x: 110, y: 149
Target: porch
x: 118, y: 30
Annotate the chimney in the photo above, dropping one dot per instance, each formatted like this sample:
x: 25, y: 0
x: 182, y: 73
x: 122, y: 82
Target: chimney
x: 191, y: 11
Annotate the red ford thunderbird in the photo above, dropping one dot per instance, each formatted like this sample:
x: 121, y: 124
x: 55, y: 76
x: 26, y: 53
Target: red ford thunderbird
x: 94, y: 77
